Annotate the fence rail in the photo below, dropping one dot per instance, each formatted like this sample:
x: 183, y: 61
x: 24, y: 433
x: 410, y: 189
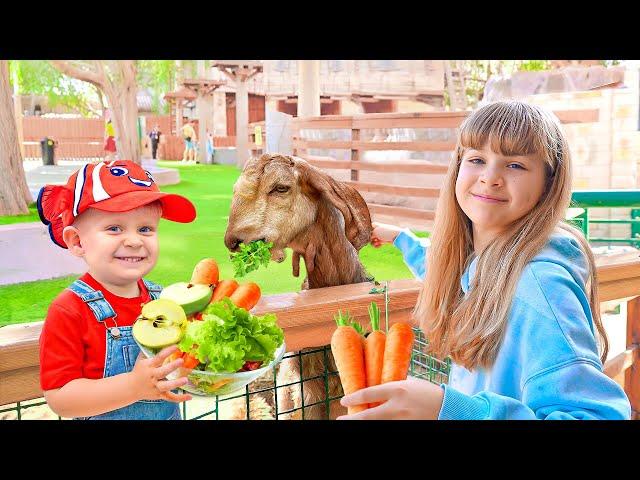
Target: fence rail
x: 307, y: 320
x: 357, y: 145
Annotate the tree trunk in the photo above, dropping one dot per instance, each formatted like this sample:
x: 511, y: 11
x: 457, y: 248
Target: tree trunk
x: 14, y: 191
x: 117, y: 79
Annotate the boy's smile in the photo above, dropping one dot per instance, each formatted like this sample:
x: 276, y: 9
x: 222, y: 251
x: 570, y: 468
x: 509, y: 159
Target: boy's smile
x: 119, y: 247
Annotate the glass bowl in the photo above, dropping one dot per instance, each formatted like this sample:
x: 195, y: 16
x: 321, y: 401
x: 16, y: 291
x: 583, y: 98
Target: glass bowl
x: 209, y: 384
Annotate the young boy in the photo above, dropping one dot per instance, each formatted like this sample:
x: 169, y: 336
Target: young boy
x: 107, y: 214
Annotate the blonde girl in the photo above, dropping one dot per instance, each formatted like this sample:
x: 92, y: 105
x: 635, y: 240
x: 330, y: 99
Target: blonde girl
x: 510, y: 291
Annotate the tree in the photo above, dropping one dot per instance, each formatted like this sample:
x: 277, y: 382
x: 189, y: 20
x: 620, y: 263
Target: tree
x: 15, y: 196
x: 117, y: 80
x: 39, y: 77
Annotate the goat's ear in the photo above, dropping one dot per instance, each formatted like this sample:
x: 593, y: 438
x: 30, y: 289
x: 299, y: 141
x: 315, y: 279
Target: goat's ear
x: 357, y: 220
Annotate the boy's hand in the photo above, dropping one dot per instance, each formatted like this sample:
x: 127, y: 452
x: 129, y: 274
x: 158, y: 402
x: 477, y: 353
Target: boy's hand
x: 383, y: 233
x: 148, y: 377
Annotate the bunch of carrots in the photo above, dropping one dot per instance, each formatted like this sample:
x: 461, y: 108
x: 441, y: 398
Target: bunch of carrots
x: 372, y: 360
x: 245, y: 295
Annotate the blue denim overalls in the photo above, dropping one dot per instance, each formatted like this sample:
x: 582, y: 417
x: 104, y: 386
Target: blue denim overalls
x: 121, y: 354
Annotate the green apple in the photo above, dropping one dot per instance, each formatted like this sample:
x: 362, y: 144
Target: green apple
x: 191, y: 297
x: 160, y: 324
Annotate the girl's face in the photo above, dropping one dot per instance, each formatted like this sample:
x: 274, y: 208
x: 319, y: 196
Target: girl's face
x: 494, y: 190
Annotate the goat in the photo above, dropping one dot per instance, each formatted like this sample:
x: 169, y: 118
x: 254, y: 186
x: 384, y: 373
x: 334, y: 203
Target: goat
x: 285, y: 200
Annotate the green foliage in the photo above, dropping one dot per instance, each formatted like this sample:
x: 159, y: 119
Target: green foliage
x: 251, y: 257
x: 158, y: 76
x: 39, y: 77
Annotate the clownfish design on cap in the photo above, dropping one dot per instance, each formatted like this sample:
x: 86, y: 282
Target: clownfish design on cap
x: 116, y: 186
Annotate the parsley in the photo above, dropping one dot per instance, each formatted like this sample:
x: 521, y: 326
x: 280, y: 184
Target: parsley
x: 250, y: 257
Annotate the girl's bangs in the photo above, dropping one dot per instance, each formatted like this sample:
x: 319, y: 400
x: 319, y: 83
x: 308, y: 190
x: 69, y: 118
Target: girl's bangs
x: 507, y: 129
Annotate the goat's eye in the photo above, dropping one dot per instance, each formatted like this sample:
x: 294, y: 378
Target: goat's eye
x: 281, y: 189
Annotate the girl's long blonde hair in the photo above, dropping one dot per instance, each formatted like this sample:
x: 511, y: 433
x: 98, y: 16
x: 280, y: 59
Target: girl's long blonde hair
x: 470, y: 328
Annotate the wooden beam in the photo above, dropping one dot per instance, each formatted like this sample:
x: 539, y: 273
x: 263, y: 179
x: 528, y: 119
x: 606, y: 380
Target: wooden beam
x: 391, y: 167
x: 619, y: 363
x: 395, y: 189
x: 405, y: 212
x: 632, y: 375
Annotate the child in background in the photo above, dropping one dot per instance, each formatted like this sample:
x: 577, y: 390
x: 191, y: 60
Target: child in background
x: 510, y: 290
x: 90, y: 366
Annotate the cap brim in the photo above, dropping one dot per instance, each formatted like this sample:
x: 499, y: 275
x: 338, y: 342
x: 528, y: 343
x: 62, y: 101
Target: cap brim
x: 174, y: 207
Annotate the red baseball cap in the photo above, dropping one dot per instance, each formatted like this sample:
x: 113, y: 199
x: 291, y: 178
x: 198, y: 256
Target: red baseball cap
x: 117, y: 186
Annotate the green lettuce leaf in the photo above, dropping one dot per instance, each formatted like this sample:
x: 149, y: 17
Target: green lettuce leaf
x: 229, y: 336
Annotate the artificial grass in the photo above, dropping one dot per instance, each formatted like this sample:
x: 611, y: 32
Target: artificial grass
x: 209, y: 187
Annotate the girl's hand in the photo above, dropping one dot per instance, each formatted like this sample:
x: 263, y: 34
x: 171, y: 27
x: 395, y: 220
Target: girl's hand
x: 148, y: 377
x: 410, y: 399
x: 383, y: 233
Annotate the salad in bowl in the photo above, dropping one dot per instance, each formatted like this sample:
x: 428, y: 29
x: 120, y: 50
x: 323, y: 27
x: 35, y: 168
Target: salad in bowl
x: 224, y: 347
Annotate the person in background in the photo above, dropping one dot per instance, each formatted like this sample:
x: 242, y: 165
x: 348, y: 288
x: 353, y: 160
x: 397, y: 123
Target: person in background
x: 154, y: 135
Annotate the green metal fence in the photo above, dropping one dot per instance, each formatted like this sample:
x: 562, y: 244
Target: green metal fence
x: 259, y: 400
x: 589, y: 199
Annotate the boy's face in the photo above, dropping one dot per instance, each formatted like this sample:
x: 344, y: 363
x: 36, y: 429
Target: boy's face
x: 119, y: 248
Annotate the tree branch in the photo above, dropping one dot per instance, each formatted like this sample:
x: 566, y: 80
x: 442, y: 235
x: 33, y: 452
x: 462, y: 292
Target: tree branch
x: 85, y: 75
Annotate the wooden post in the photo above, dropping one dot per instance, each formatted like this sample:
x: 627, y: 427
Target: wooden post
x: 632, y: 375
x: 355, y: 154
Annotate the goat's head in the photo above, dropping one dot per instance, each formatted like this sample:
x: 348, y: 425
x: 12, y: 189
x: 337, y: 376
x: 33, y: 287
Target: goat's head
x: 276, y: 199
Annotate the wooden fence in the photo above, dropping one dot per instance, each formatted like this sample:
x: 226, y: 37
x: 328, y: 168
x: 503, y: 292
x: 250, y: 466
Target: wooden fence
x: 358, y: 143
x: 307, y: 320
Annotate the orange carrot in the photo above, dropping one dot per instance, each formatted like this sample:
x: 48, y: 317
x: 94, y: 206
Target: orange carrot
x: 174, y: 356
x: 397, y: 353
x: 348, y: 352
x: 374, y: 350
x: 224, y: 289
x: 246, y: 296
x: 206, y: 272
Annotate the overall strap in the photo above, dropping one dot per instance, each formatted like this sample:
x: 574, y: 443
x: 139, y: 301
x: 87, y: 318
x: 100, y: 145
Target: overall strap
x: 94, y: 299
x: 153, y: 288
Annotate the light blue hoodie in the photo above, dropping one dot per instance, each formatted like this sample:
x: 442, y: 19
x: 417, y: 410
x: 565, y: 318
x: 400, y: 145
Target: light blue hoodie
x: 548, y: 365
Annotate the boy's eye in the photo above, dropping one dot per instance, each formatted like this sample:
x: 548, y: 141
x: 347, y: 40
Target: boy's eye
x: 516, y: 166
x: 113, y: 228
x: 146, y: 230
x: 475, y: 160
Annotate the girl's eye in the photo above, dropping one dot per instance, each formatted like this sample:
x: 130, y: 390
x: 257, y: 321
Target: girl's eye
x: 113, y: 228
x: 516, y: 166
x: 475, y: 161
x: 146, y: 230
x: 118, y: 171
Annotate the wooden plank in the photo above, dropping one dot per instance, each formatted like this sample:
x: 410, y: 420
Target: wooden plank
x: 412, y: 146
x: 19, y: 385
x: 392, y: 167
x: 319, y: 123
x: 632, y: 375
x: 618, y: 267
x: 16, y: 346
x: 623, y: 288
x: 402, y: 211
x: 578, y: 116
x: 322, y: 144
x: 445, y: 121
x: 396, y: 189
x: 619, y: 363
x: 355, y: 154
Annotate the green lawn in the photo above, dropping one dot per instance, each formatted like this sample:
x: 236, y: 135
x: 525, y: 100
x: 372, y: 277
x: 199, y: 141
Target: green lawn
x: 183, y: 245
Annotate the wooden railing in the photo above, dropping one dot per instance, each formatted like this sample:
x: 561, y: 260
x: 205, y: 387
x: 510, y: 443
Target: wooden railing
x: 307, y: 320
x: 356, y: 145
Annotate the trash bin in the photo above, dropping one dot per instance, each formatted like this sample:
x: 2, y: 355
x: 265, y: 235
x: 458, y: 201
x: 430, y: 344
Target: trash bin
x: 48, y: 149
